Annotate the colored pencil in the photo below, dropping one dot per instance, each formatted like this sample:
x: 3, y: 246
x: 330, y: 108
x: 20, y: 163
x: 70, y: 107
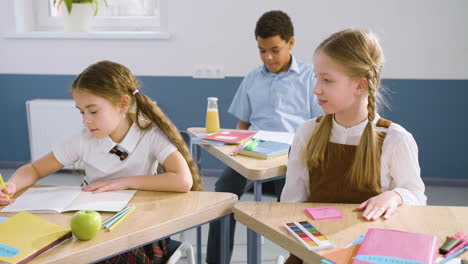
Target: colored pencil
x: 121, y: 219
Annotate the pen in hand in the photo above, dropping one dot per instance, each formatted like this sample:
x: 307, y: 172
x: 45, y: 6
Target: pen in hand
x: 2, y: 183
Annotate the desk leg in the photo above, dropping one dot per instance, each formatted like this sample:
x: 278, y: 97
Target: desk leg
x: 257, y: 191
x: 199, y: 245
x: 224, y: 239
x: 254, y: 253
x: 194, y: 151
x: 254, y: 246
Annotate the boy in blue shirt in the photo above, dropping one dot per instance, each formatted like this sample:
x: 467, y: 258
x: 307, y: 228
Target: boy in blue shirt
x: 276, y: 96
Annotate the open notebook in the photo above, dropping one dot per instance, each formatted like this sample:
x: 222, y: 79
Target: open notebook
x: 69, y: 198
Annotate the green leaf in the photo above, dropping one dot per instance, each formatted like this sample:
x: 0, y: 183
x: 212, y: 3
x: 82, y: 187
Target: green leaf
x: 96, y: 3
x: 68, y: 4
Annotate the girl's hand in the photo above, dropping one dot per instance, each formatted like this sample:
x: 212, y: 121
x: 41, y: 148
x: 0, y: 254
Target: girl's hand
x: 9, y: 190
x: 105, y: 186
x: 376, y: 206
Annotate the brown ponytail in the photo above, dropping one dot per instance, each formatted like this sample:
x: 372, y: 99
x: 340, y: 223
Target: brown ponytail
x: 145, y: 107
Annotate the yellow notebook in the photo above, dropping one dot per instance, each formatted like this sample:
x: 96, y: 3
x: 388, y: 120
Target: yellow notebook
x: 25, y: 236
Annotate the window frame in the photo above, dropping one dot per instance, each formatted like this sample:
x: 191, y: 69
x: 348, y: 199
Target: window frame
x: 42, y: 22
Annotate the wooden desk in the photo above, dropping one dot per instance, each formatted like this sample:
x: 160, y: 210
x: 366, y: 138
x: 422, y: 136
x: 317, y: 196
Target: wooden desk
x: 157, y: 215
x: 251, y: 168
x: 256, y: 170
x: 267, y: 219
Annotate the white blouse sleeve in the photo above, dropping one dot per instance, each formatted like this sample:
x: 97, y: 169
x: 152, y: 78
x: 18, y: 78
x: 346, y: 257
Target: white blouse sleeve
x: 163, y: 147
x: 68, y: 150
x: 296, y: 188
x: 405, y: 171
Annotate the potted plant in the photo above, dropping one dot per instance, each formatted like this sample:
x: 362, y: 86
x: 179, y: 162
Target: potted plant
x: 79, y: 14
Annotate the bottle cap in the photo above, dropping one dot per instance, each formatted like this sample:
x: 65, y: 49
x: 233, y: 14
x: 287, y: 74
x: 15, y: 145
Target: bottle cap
x: 213, y: 99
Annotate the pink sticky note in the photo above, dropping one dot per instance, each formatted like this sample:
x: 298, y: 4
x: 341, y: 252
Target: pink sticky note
x: 326, y: 212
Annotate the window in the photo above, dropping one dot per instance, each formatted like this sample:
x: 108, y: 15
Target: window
x: 124, y: 16
x: 117, y: 15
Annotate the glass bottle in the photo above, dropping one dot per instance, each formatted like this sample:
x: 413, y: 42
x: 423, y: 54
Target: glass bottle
x: 212, y: 116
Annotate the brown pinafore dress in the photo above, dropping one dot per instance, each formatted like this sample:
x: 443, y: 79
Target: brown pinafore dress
x: 327, y: 184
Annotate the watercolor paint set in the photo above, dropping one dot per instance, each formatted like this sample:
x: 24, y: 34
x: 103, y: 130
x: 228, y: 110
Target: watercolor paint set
x: 308, y: 235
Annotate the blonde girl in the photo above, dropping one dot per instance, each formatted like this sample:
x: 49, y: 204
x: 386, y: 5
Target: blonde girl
x: 351, y: 154
x: 118, y: 147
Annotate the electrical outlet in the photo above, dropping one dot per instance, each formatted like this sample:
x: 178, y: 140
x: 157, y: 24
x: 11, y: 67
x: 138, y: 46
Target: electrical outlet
x: 208, y: 71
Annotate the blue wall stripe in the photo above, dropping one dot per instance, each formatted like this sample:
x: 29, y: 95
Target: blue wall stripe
x: 432, y: 110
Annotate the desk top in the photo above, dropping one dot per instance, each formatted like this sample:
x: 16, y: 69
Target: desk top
x: 157, y: 214
x: 251, y: 168
x: 267, y: 219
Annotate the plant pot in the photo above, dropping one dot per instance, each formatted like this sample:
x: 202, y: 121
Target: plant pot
x: 80, y: 19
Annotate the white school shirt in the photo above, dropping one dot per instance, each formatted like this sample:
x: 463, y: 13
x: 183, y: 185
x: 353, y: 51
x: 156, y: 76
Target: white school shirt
x: 277, y: 102
x: 144, y: 148
x: 399, y: 168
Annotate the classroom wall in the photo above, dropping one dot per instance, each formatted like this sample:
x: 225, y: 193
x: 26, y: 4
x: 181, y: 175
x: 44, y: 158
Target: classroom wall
x: 423, y: 41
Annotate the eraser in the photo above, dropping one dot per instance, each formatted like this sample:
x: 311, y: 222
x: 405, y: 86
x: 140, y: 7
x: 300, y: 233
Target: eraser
x: 449, y: 245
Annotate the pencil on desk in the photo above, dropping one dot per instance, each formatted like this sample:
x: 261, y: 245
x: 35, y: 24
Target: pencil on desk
x: 236, y: 149
x: 121, y: 219
x: 109, y: 221
x: 3, y: 185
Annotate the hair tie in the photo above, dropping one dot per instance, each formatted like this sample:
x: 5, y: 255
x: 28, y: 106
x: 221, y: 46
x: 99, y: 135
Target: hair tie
x: 136, y: 91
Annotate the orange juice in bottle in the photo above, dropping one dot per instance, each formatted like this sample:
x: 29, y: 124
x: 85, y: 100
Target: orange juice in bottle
x: 212, y: 116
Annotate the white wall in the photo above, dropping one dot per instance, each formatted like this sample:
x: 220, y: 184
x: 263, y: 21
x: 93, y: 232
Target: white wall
x: 424, y: 39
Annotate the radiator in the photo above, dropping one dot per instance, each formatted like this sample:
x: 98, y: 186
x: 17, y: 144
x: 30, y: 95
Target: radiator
x: 50, y: 121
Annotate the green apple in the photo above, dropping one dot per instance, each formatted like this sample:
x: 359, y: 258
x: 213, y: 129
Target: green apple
x: 85, y: 224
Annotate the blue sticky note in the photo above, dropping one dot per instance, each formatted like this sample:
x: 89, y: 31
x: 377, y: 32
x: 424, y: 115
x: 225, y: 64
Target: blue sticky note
x: 386, y: 260
x: 2, y: 219
x: 7, y: 251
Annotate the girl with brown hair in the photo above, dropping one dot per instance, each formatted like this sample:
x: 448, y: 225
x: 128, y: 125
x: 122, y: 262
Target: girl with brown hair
x: 118, y: 147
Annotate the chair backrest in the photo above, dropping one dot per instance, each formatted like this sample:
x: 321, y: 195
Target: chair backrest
x: 187, y: 139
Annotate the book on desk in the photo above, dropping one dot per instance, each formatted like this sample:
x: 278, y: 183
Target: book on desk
x: 230, y: 137
x: 69, y: 198
x: 25, y: 236
x: 266, y: 150
x: 385, y: 246
x: 399, y: 247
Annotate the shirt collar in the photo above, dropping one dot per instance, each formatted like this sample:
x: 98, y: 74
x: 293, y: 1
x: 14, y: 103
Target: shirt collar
x: 356, y: 130
x: 128, y: 144
x: 294, y: 67
x: 132, y: 138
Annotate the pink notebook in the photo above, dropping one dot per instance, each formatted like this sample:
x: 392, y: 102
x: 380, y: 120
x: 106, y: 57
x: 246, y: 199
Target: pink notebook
x: 322, y: 213
x: 397, y: 247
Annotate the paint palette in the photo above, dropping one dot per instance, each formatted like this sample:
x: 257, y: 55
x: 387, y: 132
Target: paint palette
x: 308, y: 235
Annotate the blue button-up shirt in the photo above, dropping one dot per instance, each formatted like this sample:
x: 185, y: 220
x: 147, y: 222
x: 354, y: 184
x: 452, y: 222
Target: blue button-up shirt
x: 277, y: 102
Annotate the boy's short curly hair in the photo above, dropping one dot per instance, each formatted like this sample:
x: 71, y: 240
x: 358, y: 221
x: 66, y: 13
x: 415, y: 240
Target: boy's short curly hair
x: 274, y: 23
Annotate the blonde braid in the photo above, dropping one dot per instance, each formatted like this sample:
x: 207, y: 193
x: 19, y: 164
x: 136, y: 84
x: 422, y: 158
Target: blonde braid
x: 365, y: 174
x: 318, y: 142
